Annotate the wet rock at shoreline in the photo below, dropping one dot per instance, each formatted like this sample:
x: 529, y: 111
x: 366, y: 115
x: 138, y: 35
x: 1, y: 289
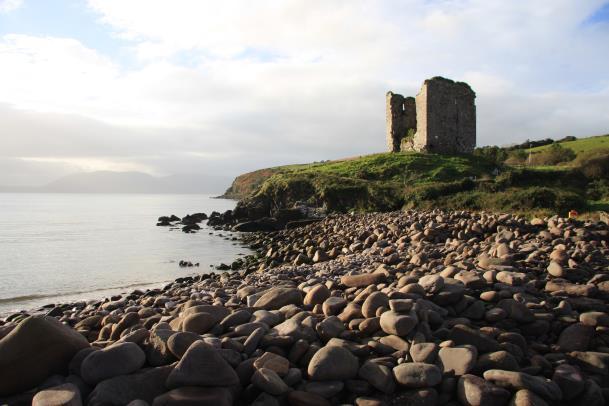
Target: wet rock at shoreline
x: 38, y: 347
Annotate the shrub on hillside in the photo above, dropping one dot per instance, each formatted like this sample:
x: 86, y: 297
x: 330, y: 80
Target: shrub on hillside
x: 508, y: 178
x: 516, y: 157
x: 598, y: 190
x: 282, y: 191
x: 493, y: 153
x: 363, y: 173
x: 553, y: 155
x: 594, y: 164
x: 470, y: 200
x: 343, y: 197
x: 530, y: 200
x: 531, y: 144
x: 556, y: 178
x: 443, y: 174
x: 539, y: 198
x: 436, y: 190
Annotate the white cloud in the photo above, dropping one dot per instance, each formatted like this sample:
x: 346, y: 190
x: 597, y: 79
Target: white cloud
x: 225, y: 29
x: 268, y: 82
x: 53, y: 74
x: 6, y: 6
x: 87, y: 164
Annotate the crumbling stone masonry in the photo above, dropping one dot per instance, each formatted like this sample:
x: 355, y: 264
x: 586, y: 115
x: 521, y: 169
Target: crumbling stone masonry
x: 444, y: 117
x: 401, y: 119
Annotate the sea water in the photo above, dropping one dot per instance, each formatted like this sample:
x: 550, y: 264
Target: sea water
x: 58, y: 248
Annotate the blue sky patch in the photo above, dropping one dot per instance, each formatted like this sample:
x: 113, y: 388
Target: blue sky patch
x: 64, y: 19
x: 601, y: 15
x: 259, y: 54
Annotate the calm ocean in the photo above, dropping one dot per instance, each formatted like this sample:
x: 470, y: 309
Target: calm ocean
x: 56, y: 248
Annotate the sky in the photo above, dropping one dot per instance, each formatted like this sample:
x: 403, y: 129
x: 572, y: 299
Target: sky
x: 196, y: 86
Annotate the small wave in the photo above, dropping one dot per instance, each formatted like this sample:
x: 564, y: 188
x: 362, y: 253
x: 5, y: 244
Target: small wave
x: 24, y: 298
x: 27, y: 298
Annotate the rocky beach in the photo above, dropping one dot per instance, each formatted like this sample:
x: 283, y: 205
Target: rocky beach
x: 304, y: 203
x: 413, y: 307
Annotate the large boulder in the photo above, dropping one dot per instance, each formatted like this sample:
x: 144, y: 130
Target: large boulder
x: 118, y: 359
x: 62, y: 395
x: 332, y: 363
x: 519, y: 380
x: 38, y: 347
x: 157, y: 351
x: 373, y: 302
x: 415, y: 397
x: 525, y: 397
x: 202, y: 365
x: 457, y: 360
x: 179, y: 343
x: 302, y: 398
x: 217, y: 312
x: 317, y: 295
x: 195, y: 396
x: 263, y: 224
x: 570, y: 380
x: 475, y: 391
x: 276, y: 298
x: 497, y: 360
x: 199, y: 323
x: 145, y: 385
x: 462, y: 334
x: 268, y: 381
x: 417, y: 375
x: 377, y: 375
x: 576, y: 337
x: 591, y: 361
x: 296, y: 330
x: 397, y: 324
x: 362, y: 280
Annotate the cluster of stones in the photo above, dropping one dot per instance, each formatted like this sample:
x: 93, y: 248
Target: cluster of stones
x: 422, y: 308
x: 189, y: 223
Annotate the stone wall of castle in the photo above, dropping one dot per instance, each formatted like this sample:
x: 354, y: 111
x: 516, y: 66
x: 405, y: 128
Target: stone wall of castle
x: 445, y: 119
x: 401, y: 118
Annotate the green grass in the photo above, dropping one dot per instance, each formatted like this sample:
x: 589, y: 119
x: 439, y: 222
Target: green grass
x: 248, y: 183
x: 398, y: 167
x: 391, y: 181
x: 547, y: 168
x: 371, y: 182
x: 580, y: 145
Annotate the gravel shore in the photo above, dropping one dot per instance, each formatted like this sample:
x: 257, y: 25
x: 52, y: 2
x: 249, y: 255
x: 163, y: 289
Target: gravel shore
x: 415, y: 307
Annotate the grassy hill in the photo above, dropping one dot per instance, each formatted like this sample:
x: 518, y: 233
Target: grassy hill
x: 579, y: 146
x: 372, y: 182
x: 246, y: 184
x: 390, y: 181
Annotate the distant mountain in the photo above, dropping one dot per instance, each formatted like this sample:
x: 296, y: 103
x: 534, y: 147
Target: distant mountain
x: 128, y: 182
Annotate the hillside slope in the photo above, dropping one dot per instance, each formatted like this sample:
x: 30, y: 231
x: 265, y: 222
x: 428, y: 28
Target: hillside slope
x: 390, y: 181
x: 369, y: 183
x: 246, y: 184
x: 384, y: 182
x: 580, y: 145
x: 384, y: 169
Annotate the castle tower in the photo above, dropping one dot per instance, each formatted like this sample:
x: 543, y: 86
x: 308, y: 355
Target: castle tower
x: 446, y: 117
x: 401, y: 117
x: 443, y: 114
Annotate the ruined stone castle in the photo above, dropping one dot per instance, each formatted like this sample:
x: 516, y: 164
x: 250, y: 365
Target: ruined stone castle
x: 441, y: 119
